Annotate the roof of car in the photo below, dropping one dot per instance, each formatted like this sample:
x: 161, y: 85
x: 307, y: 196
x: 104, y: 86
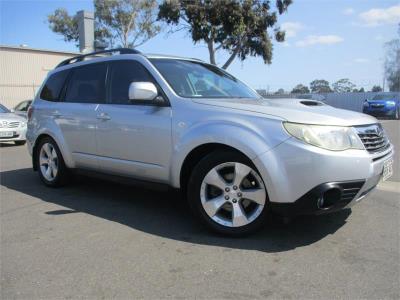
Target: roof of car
x: 99, y: 56
x: 152, y: 55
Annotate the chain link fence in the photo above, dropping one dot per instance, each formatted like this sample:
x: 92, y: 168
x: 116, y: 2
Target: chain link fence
x: 350, y: 101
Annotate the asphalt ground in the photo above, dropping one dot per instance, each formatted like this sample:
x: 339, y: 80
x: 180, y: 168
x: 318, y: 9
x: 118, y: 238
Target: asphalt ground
x: 96, y: 239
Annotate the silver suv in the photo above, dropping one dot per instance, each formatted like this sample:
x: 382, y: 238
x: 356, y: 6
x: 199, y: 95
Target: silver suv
x: 190, y: 125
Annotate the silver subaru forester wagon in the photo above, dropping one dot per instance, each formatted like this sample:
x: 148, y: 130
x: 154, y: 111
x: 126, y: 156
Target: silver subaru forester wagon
x: 190, y: 125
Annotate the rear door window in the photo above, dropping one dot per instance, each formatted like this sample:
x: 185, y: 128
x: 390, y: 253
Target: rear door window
x: 87, y: 84
x: 53, y: 86
x: 123, y: 73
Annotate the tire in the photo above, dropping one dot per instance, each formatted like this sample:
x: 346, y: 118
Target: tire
x: 47, y: 156
x: 397, y: 115
x: 20, y: 143
x: 222, y: 206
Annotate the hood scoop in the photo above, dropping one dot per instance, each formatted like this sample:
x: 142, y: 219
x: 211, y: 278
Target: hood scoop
x: 311, y: 103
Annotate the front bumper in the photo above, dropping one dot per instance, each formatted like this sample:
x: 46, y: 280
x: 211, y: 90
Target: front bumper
x: 297, y: 174
x: 380, y: 112
x: 345, y: 194
x: 19, y: 134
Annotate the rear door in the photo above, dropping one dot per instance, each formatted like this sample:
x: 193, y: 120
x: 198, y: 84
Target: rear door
x: 76, y: 114
x: 133, y: 138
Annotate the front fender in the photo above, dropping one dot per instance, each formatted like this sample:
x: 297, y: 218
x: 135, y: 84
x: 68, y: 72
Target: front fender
x: 251, y: 141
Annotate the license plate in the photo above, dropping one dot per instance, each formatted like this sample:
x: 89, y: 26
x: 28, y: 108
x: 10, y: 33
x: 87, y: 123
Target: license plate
x: 6, y: 134
x: 387, y: 169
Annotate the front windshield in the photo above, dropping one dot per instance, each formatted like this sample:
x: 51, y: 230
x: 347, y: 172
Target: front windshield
x: 3, y: 109
x: 191, y: 79
x: 384, y: 97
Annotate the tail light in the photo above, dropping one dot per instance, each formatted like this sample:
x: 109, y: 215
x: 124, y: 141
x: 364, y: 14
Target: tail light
x: 30, y: 112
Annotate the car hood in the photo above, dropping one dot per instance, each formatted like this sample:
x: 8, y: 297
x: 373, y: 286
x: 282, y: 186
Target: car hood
x: 11, y: 117
x: 295, y: 110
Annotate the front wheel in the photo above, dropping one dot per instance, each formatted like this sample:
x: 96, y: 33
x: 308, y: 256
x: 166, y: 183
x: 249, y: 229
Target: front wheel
x: 227, y: 194
x: 397, y: 114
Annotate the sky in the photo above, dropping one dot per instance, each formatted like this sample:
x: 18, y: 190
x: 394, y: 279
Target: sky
x: 325, y: 39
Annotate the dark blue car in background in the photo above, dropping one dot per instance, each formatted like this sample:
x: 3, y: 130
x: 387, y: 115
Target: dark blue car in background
x: 385, y: 105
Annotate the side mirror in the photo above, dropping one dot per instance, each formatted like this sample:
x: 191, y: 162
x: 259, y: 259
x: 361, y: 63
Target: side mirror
x: 142, y: 91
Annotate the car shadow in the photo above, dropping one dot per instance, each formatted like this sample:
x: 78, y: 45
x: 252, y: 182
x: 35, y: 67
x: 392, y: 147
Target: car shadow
x: 166, y: 214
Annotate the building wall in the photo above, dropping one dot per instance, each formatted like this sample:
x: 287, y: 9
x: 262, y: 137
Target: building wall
x: 23, y: 71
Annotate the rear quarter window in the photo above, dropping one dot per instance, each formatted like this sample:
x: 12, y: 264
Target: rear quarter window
x: 53, y: 86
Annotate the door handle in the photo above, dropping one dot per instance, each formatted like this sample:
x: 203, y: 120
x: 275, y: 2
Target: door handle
x: 103, y: 116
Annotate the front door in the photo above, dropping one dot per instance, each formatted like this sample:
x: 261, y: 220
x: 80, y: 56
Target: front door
x: 133, y: 139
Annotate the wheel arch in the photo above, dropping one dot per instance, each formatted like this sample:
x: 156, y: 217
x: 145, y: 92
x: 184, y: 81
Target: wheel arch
x: 204, y: 139
x: 196, y: 154
x: 63, y: 151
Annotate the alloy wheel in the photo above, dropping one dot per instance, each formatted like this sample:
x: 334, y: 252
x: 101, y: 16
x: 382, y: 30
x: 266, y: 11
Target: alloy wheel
x: 48, y: 161
x: 233, y: 194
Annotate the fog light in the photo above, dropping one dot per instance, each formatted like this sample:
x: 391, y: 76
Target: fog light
x: 329, y: 198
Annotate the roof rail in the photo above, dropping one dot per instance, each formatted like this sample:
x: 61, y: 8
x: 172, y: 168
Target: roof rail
x: 81, y: 57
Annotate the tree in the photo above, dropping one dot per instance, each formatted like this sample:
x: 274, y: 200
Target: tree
x: 300, y: 89
x: 237, y: 26
x: 376, y: 88
x: 343, y: 86
x: 361, y: 90
x: 392, y: 64
x: 320, y: 86
x: 280, y: 92
x: 127, y: 23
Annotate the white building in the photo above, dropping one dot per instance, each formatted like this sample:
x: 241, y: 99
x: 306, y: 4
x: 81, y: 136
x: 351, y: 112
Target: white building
x: 23, y: 71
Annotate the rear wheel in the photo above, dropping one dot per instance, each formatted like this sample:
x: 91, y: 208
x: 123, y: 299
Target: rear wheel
x: 227, y: 194
x: 51, y: 166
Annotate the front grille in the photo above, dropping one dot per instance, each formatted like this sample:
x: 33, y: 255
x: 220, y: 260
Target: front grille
x: 350, y: 190
x: 13, y: 124
x: 373, y: 137
x: 377, y: 105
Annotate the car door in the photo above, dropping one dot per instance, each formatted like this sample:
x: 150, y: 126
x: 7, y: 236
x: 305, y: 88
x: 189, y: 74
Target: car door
x: 133, y: 138
x: 76, y: 115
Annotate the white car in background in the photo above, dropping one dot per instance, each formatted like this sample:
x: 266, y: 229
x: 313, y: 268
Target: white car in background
x: 12, y: 127
x: 21, y: 108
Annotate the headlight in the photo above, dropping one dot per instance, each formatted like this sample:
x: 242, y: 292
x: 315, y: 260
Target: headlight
x: 335, y: 138
x: 390, y: 103
x: 23, y: 124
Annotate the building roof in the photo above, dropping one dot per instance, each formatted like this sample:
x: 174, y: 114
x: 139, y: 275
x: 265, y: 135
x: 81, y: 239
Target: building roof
x: 7, y: 47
